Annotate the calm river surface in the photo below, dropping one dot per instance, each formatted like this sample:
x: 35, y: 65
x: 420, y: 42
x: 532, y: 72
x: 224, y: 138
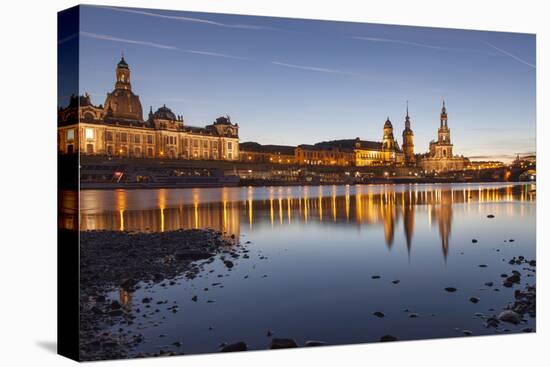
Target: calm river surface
x: 313, y: 252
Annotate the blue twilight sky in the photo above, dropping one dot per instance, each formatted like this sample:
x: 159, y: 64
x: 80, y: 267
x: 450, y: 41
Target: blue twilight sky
x: 292, y: 81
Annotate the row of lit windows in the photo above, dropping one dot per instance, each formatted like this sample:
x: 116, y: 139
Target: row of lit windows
x: 89, y: 135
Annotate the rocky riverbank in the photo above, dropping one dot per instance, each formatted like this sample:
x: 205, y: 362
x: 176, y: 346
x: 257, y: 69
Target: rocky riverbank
x: 122, y: 260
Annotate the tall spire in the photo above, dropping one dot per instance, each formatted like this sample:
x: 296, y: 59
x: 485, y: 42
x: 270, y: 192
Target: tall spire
x: 443, y: 117
x: 407, y: 119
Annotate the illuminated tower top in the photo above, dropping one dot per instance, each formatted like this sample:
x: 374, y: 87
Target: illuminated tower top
x: 443, y: 117
x: 123, y: 75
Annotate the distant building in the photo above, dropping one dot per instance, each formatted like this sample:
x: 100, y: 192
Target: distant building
x: 440, y: 157
x: 117, y: 128
x: 485, y: 164
x: 323, y: 154
x: 408, y: 141
x: 257, y: 153
x: 354, y: 152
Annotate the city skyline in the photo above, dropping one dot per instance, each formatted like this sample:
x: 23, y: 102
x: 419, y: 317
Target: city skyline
x: 274, y: 74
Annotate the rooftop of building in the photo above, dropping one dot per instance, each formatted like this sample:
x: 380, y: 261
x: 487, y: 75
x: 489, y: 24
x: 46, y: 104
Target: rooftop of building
x: 252, y: 146
x: 349, y: 144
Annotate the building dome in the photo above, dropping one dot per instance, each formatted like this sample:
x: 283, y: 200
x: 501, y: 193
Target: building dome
x: 164, y: 113
x: 123, y: 104
x: 223, y: 120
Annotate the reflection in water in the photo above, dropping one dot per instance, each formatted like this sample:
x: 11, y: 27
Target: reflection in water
x: 226, y: 209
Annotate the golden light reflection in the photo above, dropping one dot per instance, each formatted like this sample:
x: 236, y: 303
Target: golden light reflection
x: 357, y: 205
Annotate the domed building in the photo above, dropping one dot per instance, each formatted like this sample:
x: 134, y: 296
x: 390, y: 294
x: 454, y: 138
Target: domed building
x: 122, y: 103
x: 117, y: 128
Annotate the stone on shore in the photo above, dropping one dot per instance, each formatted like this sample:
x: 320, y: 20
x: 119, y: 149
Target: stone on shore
x: 510, y: 316
x: 234, y: 347
x: 314, y: 343
x: 281, y: 343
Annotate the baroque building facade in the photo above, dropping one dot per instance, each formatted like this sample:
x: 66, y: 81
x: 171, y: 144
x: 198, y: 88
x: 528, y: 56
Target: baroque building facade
x: 345, y: 152
x: 440, y: 157
x: 117, y: 128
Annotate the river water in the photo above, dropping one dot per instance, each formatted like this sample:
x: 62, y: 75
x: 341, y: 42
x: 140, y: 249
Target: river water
x: 313, y: 252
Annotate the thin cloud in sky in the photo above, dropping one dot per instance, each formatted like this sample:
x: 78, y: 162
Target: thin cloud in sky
x: 68, y: 38
x: 402, y: 42
x: 312, y: 68
x: 106, y: 37
x: 418, y: 44
x: 186, y: 19
x: 511, y: 55
x: 217, y: 54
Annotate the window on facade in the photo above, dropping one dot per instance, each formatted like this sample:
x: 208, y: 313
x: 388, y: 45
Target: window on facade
x: 109, y: 149
x: 149, y: 139
x: 196, y: 143
x: 150, y: 152
x: 137, y: 152
x: 70, y: 134
x: 108, y: 136
x: 205, y: 155
x: 229, y: 145
x: 205, y: 144
x: 89, y: 148
x: 123, y: 137
x: 230, y: 155
x: 89, y: 133
x: 137, y: 139
x: 88, y: 116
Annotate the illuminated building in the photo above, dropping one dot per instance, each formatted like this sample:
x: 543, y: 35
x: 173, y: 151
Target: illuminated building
x: 353, y: 152
x: 408, y: 143
x: 485, y: 164
x: 257, y: 153
x: 117, y: 128
x: 440, y: 156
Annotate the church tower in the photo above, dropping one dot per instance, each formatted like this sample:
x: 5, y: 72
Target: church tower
x: 388, y: 142
x: 123, y: 75
x: 443, y: 133
x: 444, y: 148
x: 408, y: 145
